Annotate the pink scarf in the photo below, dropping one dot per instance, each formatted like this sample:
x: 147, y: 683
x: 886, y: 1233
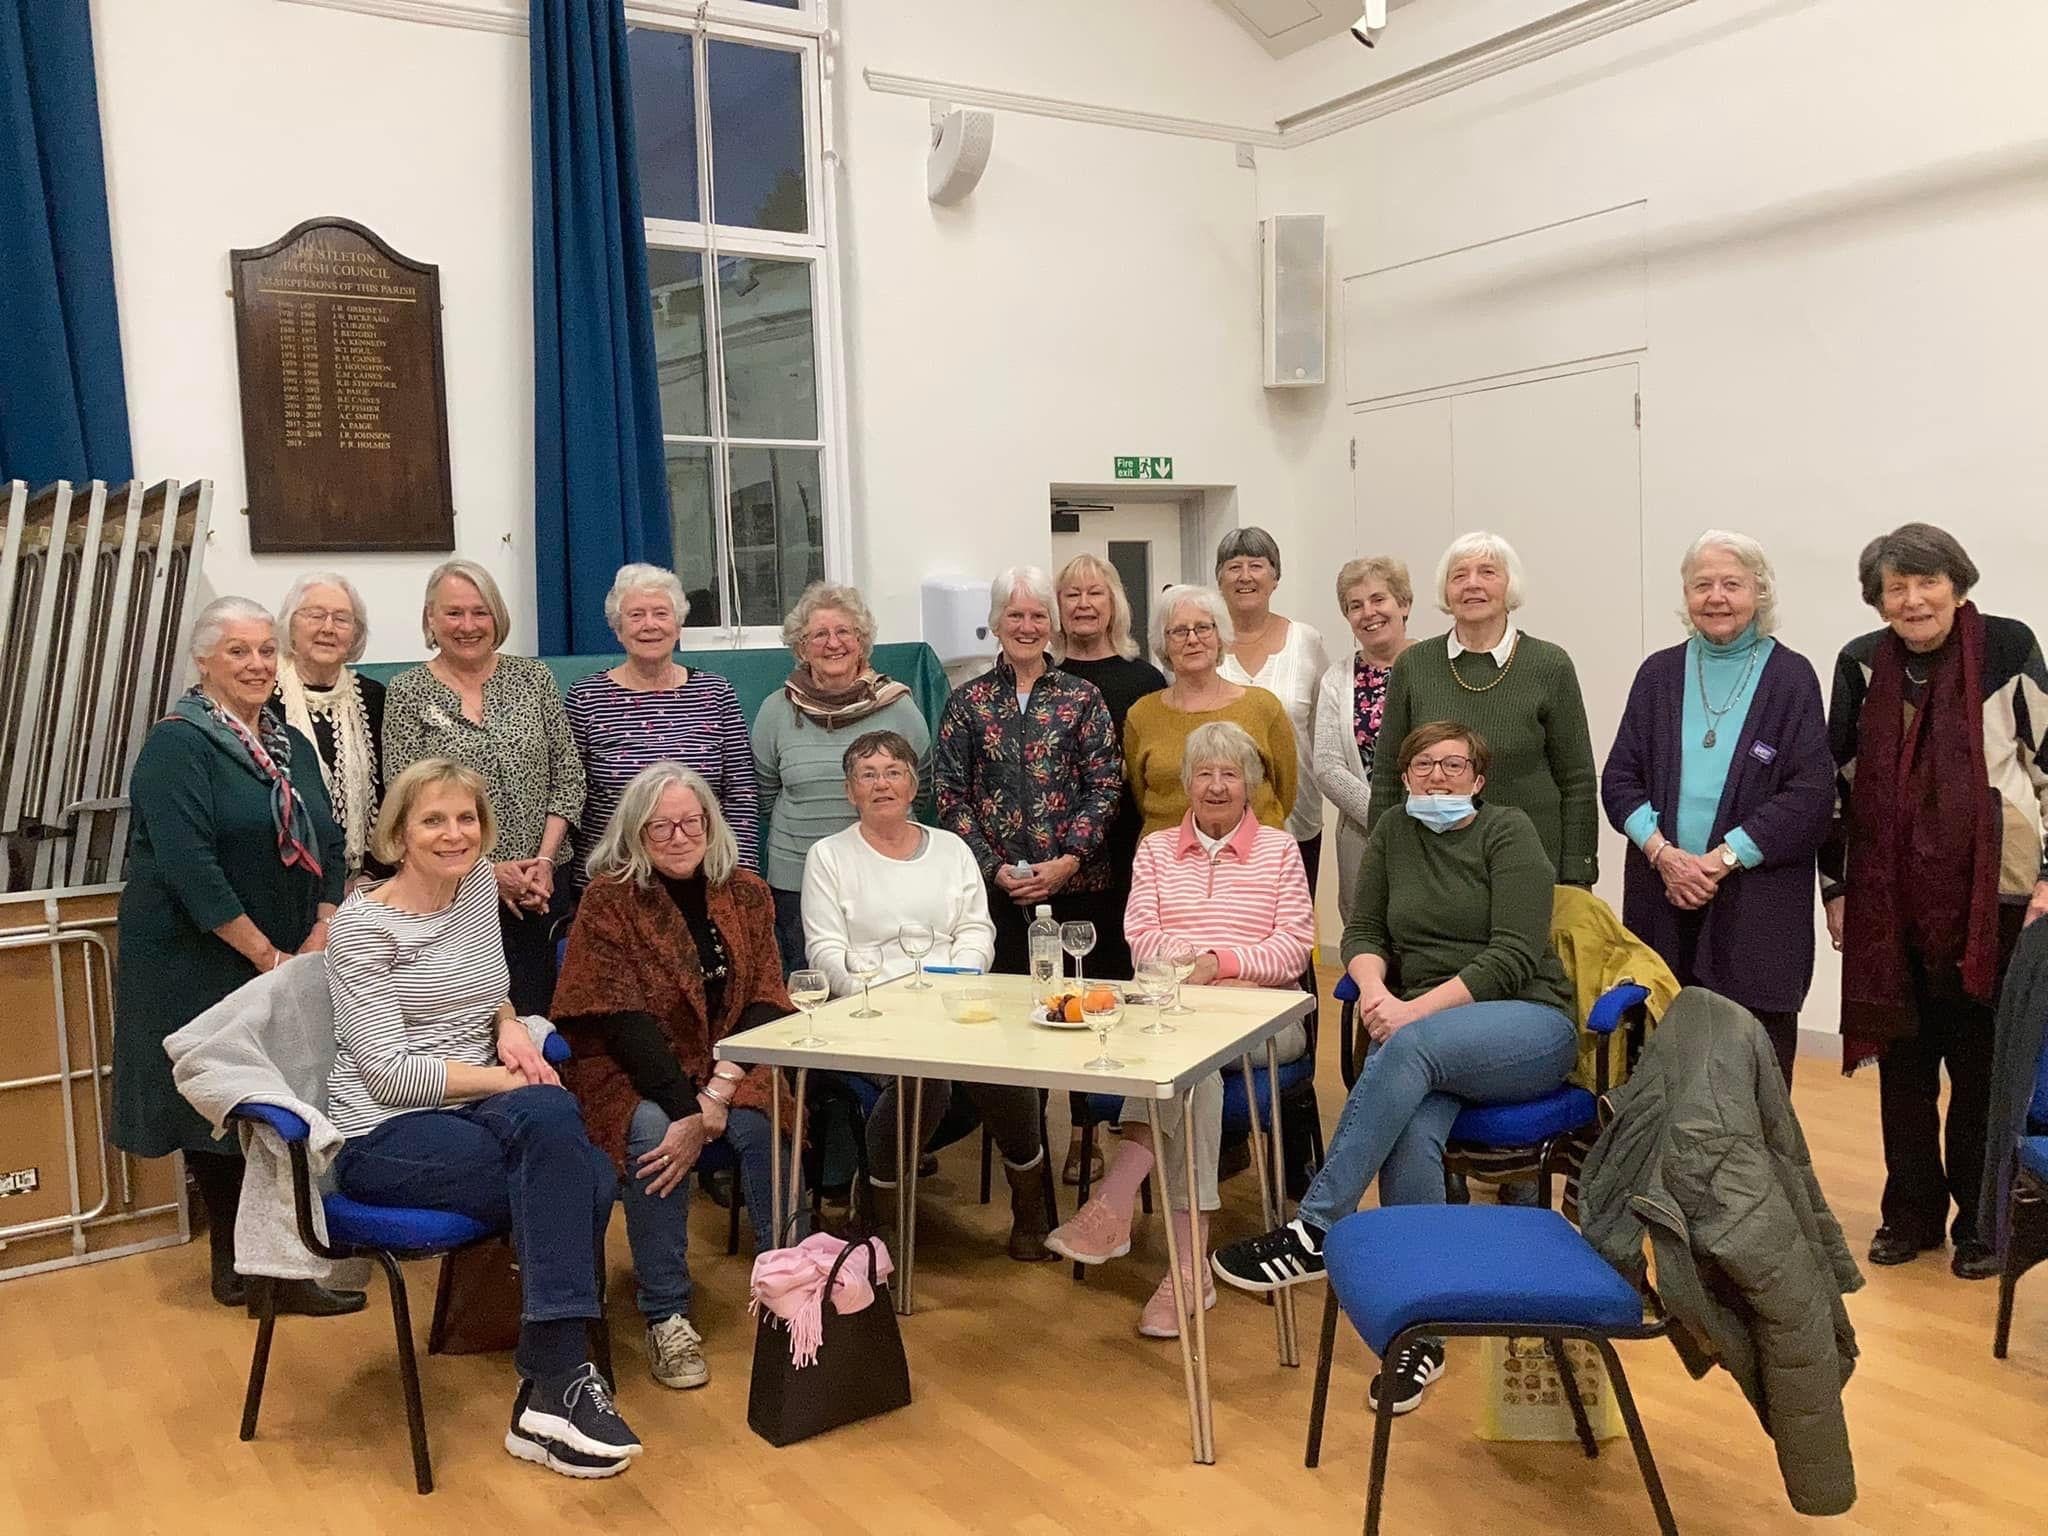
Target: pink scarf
x: 790, y: 1282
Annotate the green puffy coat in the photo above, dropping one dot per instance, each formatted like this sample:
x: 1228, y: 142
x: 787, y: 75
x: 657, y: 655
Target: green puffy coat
x: 1705, y: 1157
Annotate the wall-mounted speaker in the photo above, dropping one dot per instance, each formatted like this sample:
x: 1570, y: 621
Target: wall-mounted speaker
x: 961, y: 140
x: 1291, y: 283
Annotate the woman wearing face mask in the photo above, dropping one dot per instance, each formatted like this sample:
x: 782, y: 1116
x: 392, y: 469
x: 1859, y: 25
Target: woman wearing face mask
x: 1375, y: 597
x: 1029, y: 774
x: 1927, y: 878
x: 1722, y: 781
x: 1454, y: 899
x: 1519, y: 692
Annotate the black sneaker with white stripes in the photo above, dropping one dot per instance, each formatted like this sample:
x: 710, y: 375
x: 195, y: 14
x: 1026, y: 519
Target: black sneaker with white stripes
x: 577, y: 1411
x: 1419, y: 1363
x: 552, y: 1454
x: 1289, y: 1255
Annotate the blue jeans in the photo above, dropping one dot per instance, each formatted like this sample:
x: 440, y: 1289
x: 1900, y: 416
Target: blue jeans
x: 519, y: 1160
x: 658, y: 1227
x: 789, y: 929
x: 1412, y: 1087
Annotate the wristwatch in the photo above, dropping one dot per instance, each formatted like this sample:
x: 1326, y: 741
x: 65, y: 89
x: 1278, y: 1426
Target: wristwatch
x: 1728, y: 859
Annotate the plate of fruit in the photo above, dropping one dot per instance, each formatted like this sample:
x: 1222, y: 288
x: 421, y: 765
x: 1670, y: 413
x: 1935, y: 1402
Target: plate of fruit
x: 1064, y: 1011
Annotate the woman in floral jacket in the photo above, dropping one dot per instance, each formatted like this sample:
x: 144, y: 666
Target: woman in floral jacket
x: 1029, y: 772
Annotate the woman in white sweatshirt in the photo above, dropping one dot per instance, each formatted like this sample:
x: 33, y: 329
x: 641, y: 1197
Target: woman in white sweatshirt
x: 861, y: 886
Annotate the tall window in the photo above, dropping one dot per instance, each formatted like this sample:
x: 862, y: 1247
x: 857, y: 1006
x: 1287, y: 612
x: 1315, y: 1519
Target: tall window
x: 727, y: 121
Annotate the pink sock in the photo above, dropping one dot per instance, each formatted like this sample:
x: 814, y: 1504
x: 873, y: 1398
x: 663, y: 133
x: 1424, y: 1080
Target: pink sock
x: 1126, y: 1174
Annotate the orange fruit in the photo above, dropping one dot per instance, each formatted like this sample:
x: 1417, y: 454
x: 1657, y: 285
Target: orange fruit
x: 1100, y: 998
x: 1070, y: 1010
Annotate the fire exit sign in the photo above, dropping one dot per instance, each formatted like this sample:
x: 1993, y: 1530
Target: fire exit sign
x: 1144, y: 469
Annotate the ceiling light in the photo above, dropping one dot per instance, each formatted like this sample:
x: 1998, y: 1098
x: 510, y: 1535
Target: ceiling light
x: 1372, y: 21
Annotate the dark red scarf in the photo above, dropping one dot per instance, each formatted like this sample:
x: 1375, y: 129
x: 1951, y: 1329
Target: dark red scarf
x: 1924, y: 835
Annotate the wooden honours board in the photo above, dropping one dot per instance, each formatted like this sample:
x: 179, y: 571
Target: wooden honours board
x: 344, y: 402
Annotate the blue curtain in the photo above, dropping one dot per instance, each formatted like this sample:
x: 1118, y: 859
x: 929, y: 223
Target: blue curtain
x: 63, y: 409
x: 600, y: 491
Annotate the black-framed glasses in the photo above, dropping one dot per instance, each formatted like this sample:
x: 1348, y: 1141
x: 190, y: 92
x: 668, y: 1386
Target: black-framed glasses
x: 1180, y: 634
x: 664, y: 829
x: 1449, y: 767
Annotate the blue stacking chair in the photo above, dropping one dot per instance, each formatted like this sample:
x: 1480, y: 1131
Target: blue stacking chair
x: 1531, y: 1137
x: 1412, y: 1271
x: 2026, y: 1212
x: 385, y: 1234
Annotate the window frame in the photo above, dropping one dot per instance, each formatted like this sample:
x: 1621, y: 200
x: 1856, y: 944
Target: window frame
x: 798, y: 32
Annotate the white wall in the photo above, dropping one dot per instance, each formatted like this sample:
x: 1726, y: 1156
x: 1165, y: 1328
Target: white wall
x: 226, y: 122
x: 1847, y: 231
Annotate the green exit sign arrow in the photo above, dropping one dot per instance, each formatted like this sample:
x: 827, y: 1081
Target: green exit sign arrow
x: 1140, y: 468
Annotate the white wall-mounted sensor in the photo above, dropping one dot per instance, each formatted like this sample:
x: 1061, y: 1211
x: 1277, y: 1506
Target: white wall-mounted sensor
x: 961, y: 140
x: 1372, y: 21
x: 956, y: 619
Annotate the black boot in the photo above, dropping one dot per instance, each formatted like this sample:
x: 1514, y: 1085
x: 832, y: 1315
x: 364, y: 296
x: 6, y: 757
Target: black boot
x: 302, y: 1298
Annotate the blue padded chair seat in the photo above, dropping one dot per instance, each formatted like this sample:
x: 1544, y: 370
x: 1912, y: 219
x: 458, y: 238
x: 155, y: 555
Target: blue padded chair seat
x: 1409, y: 1264
x: 400, y: 1228
x: 1527, y: 1123
x: 2034, y: 1156
x: 1292, y: 1075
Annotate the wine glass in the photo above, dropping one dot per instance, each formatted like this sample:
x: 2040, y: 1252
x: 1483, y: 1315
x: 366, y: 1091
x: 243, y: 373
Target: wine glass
x: 864, y: 964
x: 809, y: 991
x: 1181, y: 955
x: 917, y: 940
x: 1155, y: 978
x: 1102, y: 1020
x: 1077, y: 939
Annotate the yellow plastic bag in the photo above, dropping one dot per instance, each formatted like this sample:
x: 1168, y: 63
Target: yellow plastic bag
x: 1522, y: 1398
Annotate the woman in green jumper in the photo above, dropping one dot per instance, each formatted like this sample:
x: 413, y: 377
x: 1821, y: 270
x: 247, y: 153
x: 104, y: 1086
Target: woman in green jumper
x: 234, y: 865
x: 1520, y: 693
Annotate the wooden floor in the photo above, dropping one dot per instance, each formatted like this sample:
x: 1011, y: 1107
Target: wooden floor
x: 1039, y: 1409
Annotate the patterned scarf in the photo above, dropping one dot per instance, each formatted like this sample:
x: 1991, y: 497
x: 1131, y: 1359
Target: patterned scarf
x: 269, y: 759
x: 865, y: 695
x: 352, y: 780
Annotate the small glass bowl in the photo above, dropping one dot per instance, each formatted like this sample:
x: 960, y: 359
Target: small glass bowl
x: 969, y: 1004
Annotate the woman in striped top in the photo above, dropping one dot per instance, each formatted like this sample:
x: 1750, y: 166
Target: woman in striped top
x: 446, y: 1102
x: 1235, y: 890
x: 651, y: 708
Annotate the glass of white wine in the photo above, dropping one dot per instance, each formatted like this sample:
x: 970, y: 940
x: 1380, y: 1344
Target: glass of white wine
x: 917, y: 940
x: 864, y: 964
x: 1155, y: 979
x: 1181, y: 955
x: 810, y: 992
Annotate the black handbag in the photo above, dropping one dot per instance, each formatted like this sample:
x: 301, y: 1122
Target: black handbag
x: 860, y: 1371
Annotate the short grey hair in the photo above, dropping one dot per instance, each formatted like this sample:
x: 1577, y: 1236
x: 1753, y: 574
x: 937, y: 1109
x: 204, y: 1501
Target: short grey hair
x: 825, y: 594
x: 1086, y: 564
x: 1208, y: 599
x: 217, y: 615
x: 1028, y: 579
x: 641, y: 577
x: 621, y: 854
x: 1251, y: 543
x: 1914, y: 549
x: 486, y: 586
x: 1752, y: 558
x: 1480, y: 544
x: 1222, y: 741
x: 295, y: 595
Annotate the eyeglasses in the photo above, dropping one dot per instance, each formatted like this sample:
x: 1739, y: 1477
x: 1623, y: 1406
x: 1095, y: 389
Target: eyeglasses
x: 868, y: 778
x: 1181, y: 634
x: 663, y: 830
x: 1449, y: 767
x: 340, y: 618
x: 841, y: 636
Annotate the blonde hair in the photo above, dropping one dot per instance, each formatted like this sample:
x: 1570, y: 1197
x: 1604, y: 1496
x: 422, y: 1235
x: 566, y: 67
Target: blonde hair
x: 1382, y: 568
x: 295, y: 596
x: 621, y: 854
x: 387, y: 842
x: 486, y: 587
x: 1486, y: 546
x: 1082, y: 565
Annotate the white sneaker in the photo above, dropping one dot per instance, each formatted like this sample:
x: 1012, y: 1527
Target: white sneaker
x: 675, y: 1354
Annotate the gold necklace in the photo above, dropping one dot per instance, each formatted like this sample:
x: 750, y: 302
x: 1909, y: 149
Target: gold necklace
x: 1513, y: 651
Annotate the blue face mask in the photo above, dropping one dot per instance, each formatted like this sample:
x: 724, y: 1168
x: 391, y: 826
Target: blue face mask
x: 1440, y: 813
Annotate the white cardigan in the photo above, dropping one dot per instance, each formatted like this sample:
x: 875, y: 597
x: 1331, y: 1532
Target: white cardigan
x: 854, y: 896
x: 1290, y: 675
x: 1336, y: 764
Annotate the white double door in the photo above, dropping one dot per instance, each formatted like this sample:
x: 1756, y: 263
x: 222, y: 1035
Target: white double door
x: 1553, y: 466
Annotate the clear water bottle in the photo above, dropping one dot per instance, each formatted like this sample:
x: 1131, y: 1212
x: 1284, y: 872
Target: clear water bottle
x: 1044, y: 940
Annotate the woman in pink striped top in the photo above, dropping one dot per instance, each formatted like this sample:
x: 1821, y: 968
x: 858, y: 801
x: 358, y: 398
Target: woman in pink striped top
x: 1234, y: 889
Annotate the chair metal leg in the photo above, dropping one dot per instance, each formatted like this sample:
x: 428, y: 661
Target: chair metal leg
x: 1326, y: 1347
x: 599, y: 1330
x: 2008, y: 1279
x: 1048, y: 1181
x: 732, y: 1214
x: 408, y: 1374
x: 444, y: 1297
x: 988, y: 1159
x: 1382, y: 1437
x: 1570, y: 1383
x: 1087, y: 1183
x: 259, y: 1362
x: 1640, y: 1442
x: 1543, y: 1172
